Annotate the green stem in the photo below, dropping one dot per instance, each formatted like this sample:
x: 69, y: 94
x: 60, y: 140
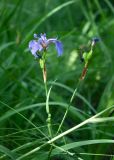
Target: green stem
x: 50, y: 151
x: 46, y: 91
x: 48, y: 119
x: 73, y: 95
x: 68, y: 107
x: 48, y: 113
x: 47, y: 105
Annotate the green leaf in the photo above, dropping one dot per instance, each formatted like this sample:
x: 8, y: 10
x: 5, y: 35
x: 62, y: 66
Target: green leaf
x: 7, y: 152
x: 82, y: 143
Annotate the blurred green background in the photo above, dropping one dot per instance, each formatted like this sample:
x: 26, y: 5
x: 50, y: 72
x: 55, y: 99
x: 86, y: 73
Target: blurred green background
x: 22, y: 93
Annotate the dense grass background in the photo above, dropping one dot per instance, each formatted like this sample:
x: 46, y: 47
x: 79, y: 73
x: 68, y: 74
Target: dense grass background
x: 22, y: 94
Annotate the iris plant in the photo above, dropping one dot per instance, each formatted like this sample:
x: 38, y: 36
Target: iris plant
x: 38, y: 48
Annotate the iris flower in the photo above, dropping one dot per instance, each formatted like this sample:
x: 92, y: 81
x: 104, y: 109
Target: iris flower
x: 41, y: 44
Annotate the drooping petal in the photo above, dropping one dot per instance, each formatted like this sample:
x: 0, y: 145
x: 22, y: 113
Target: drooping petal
x: 51, y: 40
x: 59, y: 47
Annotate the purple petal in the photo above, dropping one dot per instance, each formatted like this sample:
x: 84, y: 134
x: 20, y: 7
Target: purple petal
x: 51, y: 40
x: 58, y: 44
x: 34, y: 46
x: 43, y: 37
x: 59, y: 47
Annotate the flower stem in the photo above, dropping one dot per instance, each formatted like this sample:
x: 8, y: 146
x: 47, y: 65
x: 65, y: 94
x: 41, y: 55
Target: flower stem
x: 84, y: 71
x: 50, y: 151
x: 47, y: 105
x: 68, y: 107
x: 83, y: 74
x: 47, y: 99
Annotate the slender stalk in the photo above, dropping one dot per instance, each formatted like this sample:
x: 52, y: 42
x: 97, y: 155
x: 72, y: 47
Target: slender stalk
x: 50, y: 151
x: 68, y: 107
x: 46, y: 90
x: 47, y: 105
x: 47, y: 100
x: 84, y: 71
x: 83, y: 74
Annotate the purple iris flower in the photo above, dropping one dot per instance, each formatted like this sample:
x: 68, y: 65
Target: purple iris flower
x: 41, y: 44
